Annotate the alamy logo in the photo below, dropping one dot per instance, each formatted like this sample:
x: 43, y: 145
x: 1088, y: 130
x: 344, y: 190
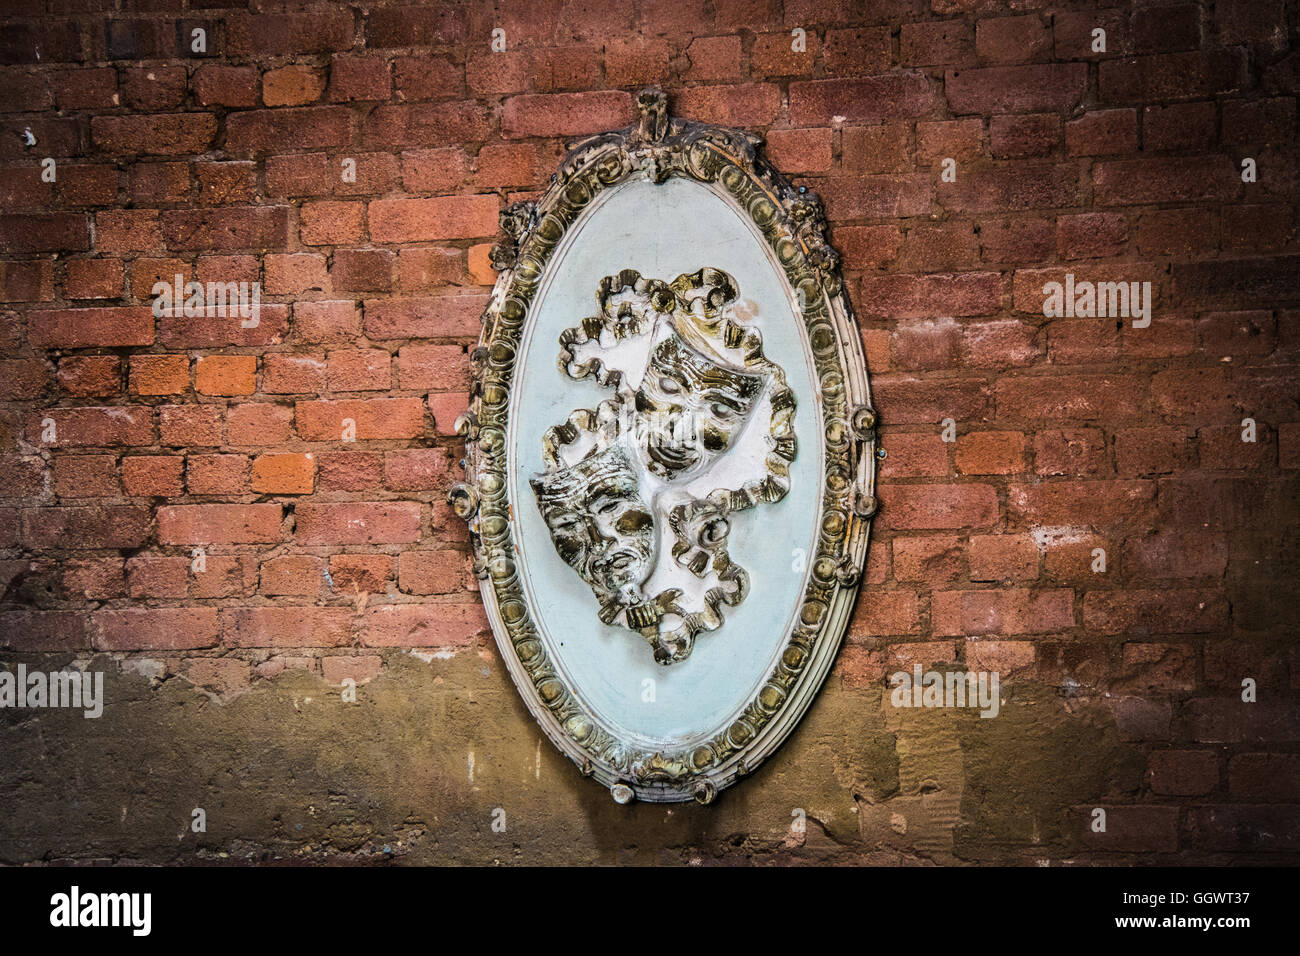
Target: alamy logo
x: 196, y: 300
x: 952, y: 689
x: 59, y: 689
x: 75, y: 908
x: 1099, y: 300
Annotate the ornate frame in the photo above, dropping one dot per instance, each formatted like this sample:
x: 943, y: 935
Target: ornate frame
x: 793, y: 224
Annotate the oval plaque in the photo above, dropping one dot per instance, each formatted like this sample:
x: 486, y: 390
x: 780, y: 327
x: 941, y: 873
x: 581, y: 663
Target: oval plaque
x: 669, y: 456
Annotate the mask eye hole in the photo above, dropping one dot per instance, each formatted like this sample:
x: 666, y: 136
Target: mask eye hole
x: 720, y: 411
x: 670, y: 385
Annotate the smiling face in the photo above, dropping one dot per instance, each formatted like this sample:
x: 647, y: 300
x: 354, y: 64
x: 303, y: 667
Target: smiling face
x: 693, y: 407
x: 600, y: 524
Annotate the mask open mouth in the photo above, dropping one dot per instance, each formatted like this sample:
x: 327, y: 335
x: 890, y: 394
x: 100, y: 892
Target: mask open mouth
x: 619, y: 567
x: 671, y: 456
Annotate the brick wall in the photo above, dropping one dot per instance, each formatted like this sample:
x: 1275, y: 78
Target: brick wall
x: 1071, y: 434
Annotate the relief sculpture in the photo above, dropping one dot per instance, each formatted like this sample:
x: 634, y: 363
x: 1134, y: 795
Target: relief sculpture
x: 638, y: 493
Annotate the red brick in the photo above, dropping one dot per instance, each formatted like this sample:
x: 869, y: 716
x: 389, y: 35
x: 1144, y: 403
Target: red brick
x: 21, y: 378
x: 800, y: 150
x: 394, y: 522
x: 216, y: 474
x: 991, y: 453
x: 362, y: 573
x: 418, y: 220
x: 286, y: 626
x: 177, y: 134
x: 1102, y: 133
x: 905, y: 400
x: 34, y: 281
x: 1264, y: 777
x: 298, y: 575
x: 860, y: 51
x: 109, y: 526
x: 1013, y: 39
x: 308, y: 127
x: 940, y: 43
x: 936, y: 507
x: 349, y: 471
x: 1171, y: 76
x: 884, y: 148
x: 714, y: 59
x: 217, y: 85
x: 93, y: 279
x: 565, y: 114
x: 31, y: 630
x: 1012, y: 187
x: 147, y: 629
x: 440, y: 367
x: 1155, y: 611
x: 923, y: 296
x: 374, y: 418
x: 415, y: 469
x: 422, y: 625
x: 260, y: 227
x: 1004, y: 658
x: 153, y: 475
x: 94, y: 427
x: 85, y: 476
x: 447, y: 408
x: 1001, y: 343
x: 1074, y: 452
x: 926, y: 344
x: 1016, y: 89
x: 1091, y: 235
x: 151, y: 576
x: 429, y: 270
x: 443, y: 315
x: 936, y: 559
x: 332, y: 321
x: 464, y: 121
x: 286, y: 374
x: 359, y: 78
x: 1178, y: 126
x: 773, y: 55
x: 876, y: 197
x: 362, y: 270
x: 412, y: 26
x: 226, y: 374
x: 219, y: 524
x: 295, y: 273
x: 1156, y: 668
x: 434, y: 572
x: 748, y: 104
x: 1031, y: 134
x: 915, y: 454
x: 1003, y: 557
x: 1008, y: 611
x: 885, y: 613
x: 284, y: 474
x: 258, y: 423
x: 1068, y: 398
x: 434, y: 170
x: 1133, y: 181
x: 635, y: 61
x: 873, y: 99
x: 185, y: 425
x: 1082, y: 503
x: 110, y: 327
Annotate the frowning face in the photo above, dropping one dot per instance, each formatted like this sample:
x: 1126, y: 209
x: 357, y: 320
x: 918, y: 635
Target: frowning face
x: 600, y: 524
x: 693, y: 408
